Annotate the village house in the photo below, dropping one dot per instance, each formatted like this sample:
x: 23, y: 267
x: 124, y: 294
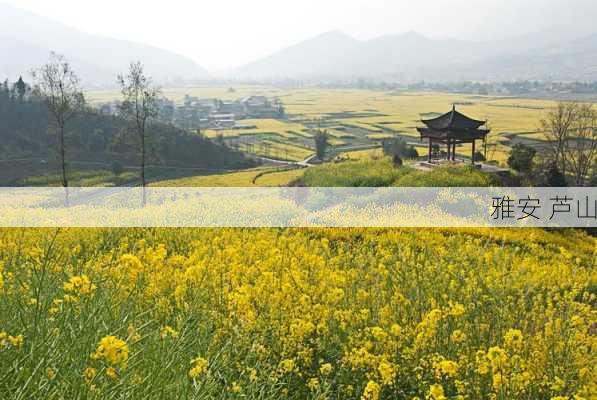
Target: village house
x: 222, y: 121
x: 231, y: 107
x: 261, y: 107
x: 206, y: 113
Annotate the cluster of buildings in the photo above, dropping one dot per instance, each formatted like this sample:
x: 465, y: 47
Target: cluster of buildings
x: 224, y: 114
x: 198, y: 113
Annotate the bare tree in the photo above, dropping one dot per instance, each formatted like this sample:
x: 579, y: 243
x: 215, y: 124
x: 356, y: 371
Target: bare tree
x: 581, y: 147
x: 58, y: 86
x: 558, y: 125
x: 139, y: 106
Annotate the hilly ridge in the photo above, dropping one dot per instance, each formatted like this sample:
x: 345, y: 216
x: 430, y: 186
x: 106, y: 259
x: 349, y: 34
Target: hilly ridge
x: 411, y: 56
x: 26, y: 40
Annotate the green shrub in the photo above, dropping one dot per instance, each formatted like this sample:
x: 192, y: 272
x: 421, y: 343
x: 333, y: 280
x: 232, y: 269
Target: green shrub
x: 399, y: 147
x: 521, y: 158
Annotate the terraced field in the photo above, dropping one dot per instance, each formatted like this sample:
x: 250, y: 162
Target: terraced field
x: 361, y: 118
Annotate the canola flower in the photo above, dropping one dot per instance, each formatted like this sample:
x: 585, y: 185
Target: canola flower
x: 168, y: 332
x: 89, y: 374
x: 513, y: 339
x: 297, y: 313
x: 326, y: 369
x: 114, y: 351
x: 79, y: 285
x: 447, y: 368
x: 371, y: 392
x: 436, y: 392
x: 50, y: 373
x: 9, y: 341
x: 199, y: 366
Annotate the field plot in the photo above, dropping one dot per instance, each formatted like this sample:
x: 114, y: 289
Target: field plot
x: 363, y: 154
x: 295, y: 314
x: 281, y: 127
x: 264, y: 176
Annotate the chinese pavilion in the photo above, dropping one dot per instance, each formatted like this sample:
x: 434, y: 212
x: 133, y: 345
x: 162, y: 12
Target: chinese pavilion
x: 451, y: 129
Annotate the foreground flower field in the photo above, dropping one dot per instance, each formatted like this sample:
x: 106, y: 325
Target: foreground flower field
x: 268, y: 314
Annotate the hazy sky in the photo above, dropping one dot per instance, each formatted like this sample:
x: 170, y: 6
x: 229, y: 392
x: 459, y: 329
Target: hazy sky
x: 221, y: 34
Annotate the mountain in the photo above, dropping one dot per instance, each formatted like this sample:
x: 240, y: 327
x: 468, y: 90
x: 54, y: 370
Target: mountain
x: 26, y: 40
x: 410, y: 56
x: 329, y: 53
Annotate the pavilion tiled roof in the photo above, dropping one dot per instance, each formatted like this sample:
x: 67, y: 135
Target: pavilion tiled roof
x: 453, y: 120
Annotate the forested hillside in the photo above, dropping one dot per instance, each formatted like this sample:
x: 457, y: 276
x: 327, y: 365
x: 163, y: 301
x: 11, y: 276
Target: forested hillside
x: 26, y: 131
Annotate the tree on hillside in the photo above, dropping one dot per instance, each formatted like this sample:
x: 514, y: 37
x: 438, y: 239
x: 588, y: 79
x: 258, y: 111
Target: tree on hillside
x: 139, y: 107
x: 395, y: 147
x: 20, y: 88
x: 554, y: 177
x: 557, y: 126
x: 57, y: 85
x: 321, y: 143
x: 581, y: 149
x: 399, y: 147
x: 412, y: 152
x: 521, y: 158
x: 4, y: 89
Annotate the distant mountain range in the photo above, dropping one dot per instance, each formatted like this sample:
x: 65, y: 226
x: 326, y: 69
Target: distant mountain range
x: 410, y: 56
x: 26, y: 40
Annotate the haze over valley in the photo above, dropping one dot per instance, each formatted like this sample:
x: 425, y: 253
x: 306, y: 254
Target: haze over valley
x: 26, y: 40
x: 556, y: 50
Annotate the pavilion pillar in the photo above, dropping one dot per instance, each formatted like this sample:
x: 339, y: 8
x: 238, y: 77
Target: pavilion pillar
x: 449, y: 147
x: 473, y: 155
x: 454, y: 151
x: 430, y: 149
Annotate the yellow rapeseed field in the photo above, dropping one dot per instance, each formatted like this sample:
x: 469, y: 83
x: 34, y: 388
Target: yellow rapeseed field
x: 297, y: 313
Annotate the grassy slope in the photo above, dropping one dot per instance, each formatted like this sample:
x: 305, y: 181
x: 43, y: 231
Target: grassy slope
x: 381, y: 172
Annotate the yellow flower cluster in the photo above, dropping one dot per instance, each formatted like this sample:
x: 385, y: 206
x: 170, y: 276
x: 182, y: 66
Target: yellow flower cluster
x: 168, y: 332
x: 113, y: 351
x: 371, y: 392
x: 298, y: 313
x: 79, y: 285
x: 8, y: 341
x: 199, y: 366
